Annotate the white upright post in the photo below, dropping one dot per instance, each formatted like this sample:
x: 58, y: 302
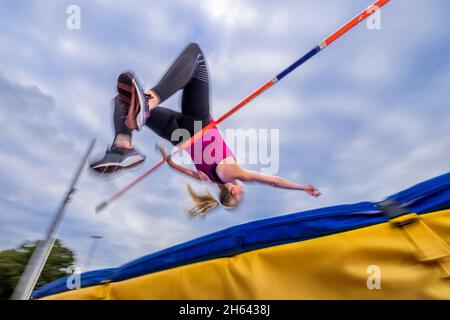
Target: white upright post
x: 40, y: 255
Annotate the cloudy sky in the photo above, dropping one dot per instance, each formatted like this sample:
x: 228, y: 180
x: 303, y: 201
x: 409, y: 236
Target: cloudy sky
x: 367, y: 117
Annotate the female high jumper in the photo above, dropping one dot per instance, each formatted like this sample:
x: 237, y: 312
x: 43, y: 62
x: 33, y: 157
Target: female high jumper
x: 135, y: 108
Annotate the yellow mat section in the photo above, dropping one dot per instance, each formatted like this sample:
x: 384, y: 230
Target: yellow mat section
x: 339, y: 266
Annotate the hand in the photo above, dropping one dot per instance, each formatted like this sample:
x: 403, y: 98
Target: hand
x: 311, y: 190
x: 162, y: 150
x: 154, y: 100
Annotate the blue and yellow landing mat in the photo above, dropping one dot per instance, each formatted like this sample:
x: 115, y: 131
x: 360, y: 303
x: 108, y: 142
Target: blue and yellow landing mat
x: 395, y: 249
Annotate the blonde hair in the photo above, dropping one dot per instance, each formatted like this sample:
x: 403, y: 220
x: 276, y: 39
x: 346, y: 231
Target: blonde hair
x: 205, y: 202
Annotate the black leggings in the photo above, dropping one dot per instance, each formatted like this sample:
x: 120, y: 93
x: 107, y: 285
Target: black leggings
x: 189, y: 72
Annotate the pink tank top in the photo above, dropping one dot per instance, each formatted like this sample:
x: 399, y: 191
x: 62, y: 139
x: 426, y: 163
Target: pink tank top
x: 208, y: 151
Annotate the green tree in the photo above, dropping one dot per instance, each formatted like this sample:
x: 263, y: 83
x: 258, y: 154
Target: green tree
x: 13, y: 262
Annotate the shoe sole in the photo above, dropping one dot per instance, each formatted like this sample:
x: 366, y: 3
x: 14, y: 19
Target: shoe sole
x: 141, y: 116
x: 128, y: 163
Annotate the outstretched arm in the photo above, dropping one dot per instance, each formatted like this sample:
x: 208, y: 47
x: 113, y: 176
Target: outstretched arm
x: 182, y: 169
x: 179, y: 168
x: 278, y: 182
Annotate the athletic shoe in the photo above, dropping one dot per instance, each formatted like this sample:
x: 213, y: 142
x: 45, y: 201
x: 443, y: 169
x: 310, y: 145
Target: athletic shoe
x: 118, y: 158
x: 143, y: 113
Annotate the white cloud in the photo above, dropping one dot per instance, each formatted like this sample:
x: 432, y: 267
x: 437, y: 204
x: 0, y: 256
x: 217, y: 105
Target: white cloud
x: 354, y: 120
x: 232, y: 14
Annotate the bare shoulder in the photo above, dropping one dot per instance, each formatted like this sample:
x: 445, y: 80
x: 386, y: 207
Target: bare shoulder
x: 228, y: 169
x: 228, y: 160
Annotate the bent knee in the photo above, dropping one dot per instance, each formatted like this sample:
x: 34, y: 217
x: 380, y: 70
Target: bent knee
x: 194, y: 47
